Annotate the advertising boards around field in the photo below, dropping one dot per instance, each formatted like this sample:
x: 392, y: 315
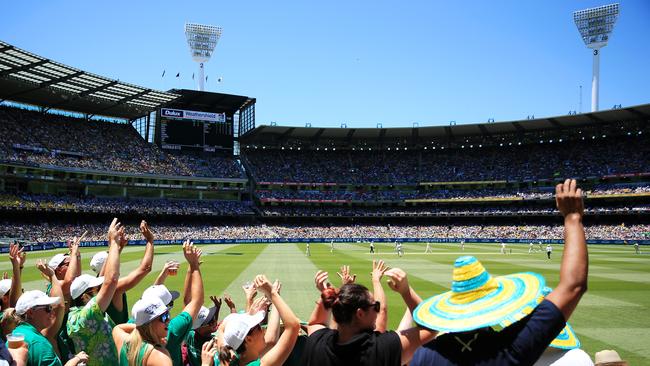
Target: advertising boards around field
x: 100, y: 243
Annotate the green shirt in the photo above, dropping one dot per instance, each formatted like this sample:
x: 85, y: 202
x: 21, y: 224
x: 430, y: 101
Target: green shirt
x: 66, y: 347
x: 119, y: 317
x: 124, y: 361
x: 178, y: 328
x: 40, y: 351
x: 90, y: 330
x: 194, y: 349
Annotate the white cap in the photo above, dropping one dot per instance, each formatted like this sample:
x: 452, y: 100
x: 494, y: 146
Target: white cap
x: 56, y: 261
x: 204, y: 316
x: 84, y: 282
x: 161, y: 292
x: 97, y: 263
x: 5, y: 286
x: 31, y: 299
x: 147, y: 309
x: 238, y: 326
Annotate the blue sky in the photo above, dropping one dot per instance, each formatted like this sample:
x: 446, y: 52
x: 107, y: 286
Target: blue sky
x: 356, y: 62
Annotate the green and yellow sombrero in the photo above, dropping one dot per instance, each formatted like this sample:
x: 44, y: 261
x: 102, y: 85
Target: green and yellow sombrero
x: 478, y: 300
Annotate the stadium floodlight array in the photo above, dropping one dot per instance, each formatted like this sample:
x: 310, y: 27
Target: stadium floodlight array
x: 595, y: 25
x: 202, y: 40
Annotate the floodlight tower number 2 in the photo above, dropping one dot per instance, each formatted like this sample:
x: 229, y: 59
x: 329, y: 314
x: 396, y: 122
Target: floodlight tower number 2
x: 595, y: 25
x: 202, y: 40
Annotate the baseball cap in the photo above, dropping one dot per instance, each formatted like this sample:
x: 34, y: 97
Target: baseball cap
x: 161, y: 292
x: 147, y: 309
x: 204, y: 316
x: 5, y: 286
x: 98, y: 260
x: 238, y: 326
x: 31, y: 299
x: 56, y: 261
x: 84, y: 282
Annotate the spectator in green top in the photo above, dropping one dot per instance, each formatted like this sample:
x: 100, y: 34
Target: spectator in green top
x: 37, y: 312
x: 88, y: 325
x: 180, y: 325
x: 118, y: 309
x: 143, y: 343
x: 204, y: 325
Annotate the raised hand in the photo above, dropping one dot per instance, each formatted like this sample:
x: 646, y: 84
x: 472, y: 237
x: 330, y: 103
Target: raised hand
x: 16, y: 255
x: 116, y: 234
x: 231, y: 304
x: 44, y: 269
x: 216, y: 301
x: 192, y: 254
x: 262, y: 283
x: 171, y: 267
x: 146, y: 232
x: 250, y: 291
x: 208, y: 351
x: 345, y: 275
x: 277, y: 286
x: 260, y: 304
x: 378, y: 270
x: 398, y: 281
x: 568, y: 198
x: 321, y: 281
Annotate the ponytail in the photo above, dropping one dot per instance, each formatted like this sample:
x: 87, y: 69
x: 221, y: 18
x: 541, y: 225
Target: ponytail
x: 345, y: 301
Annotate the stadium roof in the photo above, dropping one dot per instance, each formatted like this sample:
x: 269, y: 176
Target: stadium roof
x: 278, y: 134
x: 32, y: 79
x: 208, y: 101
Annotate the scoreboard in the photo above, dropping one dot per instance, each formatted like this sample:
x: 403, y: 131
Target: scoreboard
x: 178, y: 128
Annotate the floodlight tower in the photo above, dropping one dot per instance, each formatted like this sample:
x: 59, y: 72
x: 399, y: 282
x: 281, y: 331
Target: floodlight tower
x: 202, y: 40
x: 595, y: 26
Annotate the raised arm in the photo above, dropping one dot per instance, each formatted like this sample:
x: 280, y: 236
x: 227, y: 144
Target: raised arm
x: 17, y: 258
x: 320, y: 317
x: 169, y: 267
x: 192, y: 255
x: 117, y: 240
x: 51, y: 332
x: 74, y: 268
x: 272, y: 333
x: 414, y: 337
x: 280, y: 352
x: 575, y: 260
x: 134, y: 277
x: 378, y: 270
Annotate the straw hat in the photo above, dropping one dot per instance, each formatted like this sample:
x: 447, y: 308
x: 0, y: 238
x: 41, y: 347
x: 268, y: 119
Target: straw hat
x: 478, y: 300
x: 609, y: 357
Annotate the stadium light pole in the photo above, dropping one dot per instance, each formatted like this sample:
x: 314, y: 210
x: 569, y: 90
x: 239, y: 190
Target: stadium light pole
x: 595, y: 25
x: 202, y: 40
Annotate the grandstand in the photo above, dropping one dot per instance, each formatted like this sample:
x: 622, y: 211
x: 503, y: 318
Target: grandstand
x: 81, y: 145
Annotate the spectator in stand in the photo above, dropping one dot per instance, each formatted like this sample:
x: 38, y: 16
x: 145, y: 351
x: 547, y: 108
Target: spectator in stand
x: 143, y: 342
x: 243, y: 337
x: 355, y: 341
x: 88, y: 325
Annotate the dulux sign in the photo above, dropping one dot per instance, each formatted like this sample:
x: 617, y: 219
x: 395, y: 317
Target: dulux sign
x: 193, y: 115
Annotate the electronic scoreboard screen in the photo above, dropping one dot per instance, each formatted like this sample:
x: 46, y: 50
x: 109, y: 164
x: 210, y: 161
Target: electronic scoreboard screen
x: 182, y: 128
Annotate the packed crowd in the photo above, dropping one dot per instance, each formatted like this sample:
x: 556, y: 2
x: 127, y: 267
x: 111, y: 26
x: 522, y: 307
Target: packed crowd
x: 424, y: 211
x: 86, y: 319
x: 456, y: 194
x: 122, y: 206
x: 588, y: 158
x: 31, y: 232
x: 30, y: 137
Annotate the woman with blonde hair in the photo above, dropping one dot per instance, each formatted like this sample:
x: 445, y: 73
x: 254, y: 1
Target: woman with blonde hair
x: 143, y: 343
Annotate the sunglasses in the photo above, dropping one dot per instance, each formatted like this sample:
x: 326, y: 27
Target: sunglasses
x: 165, y: 317
x: 376, y: 305
x: 47, y: 308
